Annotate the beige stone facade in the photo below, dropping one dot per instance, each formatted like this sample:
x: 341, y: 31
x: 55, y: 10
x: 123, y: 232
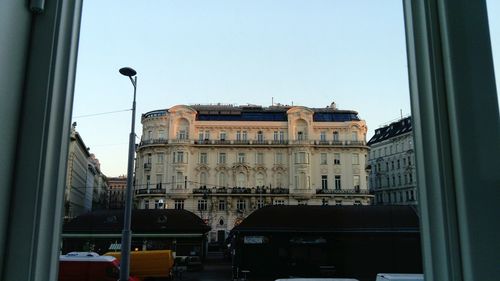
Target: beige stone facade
x: 223, y: 162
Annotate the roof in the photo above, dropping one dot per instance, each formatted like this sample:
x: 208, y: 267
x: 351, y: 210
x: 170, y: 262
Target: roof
x: 394, y: 129
x: 331, y: 219
x: 260, y: 113
x: 143, y: 221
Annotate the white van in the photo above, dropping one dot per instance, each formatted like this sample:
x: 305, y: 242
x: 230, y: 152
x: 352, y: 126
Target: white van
x: 399, y: 277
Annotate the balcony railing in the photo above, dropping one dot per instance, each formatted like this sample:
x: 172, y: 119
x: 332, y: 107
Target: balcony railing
x: 250, y: 142
x: 147, y: 166
x: 240, y: 190
x: 152, y: 191
x: 153, y: 142
x: 342, y: 191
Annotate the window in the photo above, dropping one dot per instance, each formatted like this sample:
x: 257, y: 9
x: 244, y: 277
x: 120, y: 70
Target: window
x: 279, y: 202
x: 179, y: 204
x: 338, y: 202
x: 222, y: 205
x: 161, y: 134
x: 179, y: 180
x: 392, y: 165
x: 150, y: 135
x: 160, y: 158
x: 182, y: 135
x: 279, y: 158
x: 322, y: 136
x: 241, y: 180
x: 335, y: 136
x: 202, y: 205
x: 323, y: 157
x: 241, y: 157
x: 178, y: 157
x: 222, y: 158
x: 354, y: 135
x: 411, y: 177
x: 404, y: 162
x: 409, y: 161
x: 336, y: 158
x: 301, y: 158
x: 260, y: 136
x: 259, y: 158
x: 244, y: 135
x: 355, y: 181
x: 238, y: 135
x: 399, y: 179
x: 241, y: 205
x: 222, y: 136
x: 200, y: 136
x: 259, y: 179
x: 357, y: 203
x: 222, y: 179
x: 260, y: 203
x: 148, y: 181
x: 203, y: 179
x: 300, y: 136
x: 275, y: 135
x: 324, y: 182
x: 159, y: 179
x: 146, y: 204
x: 282, y: 135
x: 399, y: 164
x: 393, y: 181
x: 302, y: 202
x: 203, y: 158
x: 149, y: 159
x: 207, y: 135
x: 158, y: 204
x: 355, y: 159
x: 337, y: 183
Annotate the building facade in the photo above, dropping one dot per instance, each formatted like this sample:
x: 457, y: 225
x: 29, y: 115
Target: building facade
x: 116, y: 189
x: 222, y: 162
x: 86, y: 187
x: 391, y: 160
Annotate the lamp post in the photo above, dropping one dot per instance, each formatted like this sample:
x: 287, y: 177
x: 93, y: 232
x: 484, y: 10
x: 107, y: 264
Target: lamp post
x: 127, y: 216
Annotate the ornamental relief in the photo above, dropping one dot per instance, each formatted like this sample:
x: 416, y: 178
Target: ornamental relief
x: 324, y: 170
x: 337, y: 170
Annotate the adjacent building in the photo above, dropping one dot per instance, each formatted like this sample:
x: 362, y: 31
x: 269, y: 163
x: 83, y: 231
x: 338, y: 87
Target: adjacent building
x: 392, y: 164
x: 222, y: 162
x: 86, y: 187
x: 116, y: 188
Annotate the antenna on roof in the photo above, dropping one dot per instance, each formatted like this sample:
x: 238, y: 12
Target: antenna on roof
x: 401, y: 112
x: 272, y: 101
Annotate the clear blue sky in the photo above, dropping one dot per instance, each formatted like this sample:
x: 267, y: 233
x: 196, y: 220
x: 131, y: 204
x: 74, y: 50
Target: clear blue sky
x: 309, y: 52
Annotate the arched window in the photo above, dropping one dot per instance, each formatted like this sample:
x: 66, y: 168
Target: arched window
x: 203, y: 179
x: 259, y: 179
x: 222, y: 180
x: 241, y: 180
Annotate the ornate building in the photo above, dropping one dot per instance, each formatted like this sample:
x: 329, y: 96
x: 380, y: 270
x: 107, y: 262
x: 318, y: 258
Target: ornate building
x: 392, y: 164
x: 222, y: 162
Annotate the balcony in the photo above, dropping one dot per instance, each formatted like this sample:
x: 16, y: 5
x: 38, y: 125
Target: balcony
x: 152, y: 142
x: 343, y: 191
x: 153, y: 191
x: 147, y: 166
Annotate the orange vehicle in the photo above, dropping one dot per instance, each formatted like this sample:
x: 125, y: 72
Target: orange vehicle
x: 88, y: 266
x: 149, y: 264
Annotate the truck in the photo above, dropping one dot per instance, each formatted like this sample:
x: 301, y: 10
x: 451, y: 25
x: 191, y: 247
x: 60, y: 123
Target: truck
x: 89, y: 266
x: 149, y: 265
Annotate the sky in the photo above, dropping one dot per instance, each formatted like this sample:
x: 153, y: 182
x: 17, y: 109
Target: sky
x: 305, y: 52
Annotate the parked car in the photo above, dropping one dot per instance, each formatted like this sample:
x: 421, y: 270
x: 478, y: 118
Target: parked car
x: 89, y: 266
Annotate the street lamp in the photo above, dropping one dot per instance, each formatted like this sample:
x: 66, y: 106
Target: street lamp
x: 127, y: 216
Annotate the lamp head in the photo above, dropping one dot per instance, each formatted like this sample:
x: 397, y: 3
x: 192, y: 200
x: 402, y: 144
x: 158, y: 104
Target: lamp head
x: 128, y: 71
